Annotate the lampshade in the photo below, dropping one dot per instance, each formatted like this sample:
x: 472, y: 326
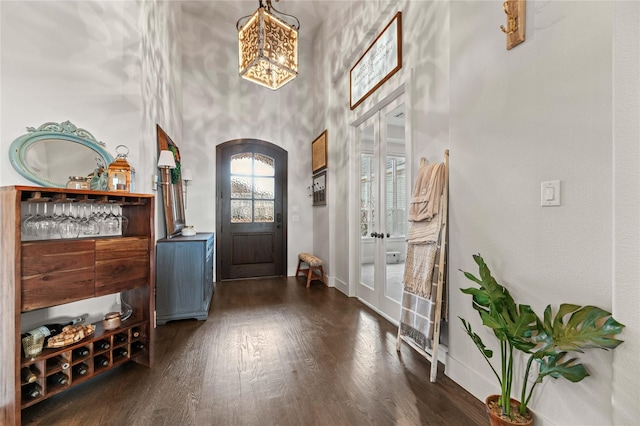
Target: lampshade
x: 186, y: 175
x: 166, y: 160
x: 268, y: 47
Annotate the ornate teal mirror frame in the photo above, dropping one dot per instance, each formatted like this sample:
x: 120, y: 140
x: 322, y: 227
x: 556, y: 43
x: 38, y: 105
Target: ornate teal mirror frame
x: 51, y: 153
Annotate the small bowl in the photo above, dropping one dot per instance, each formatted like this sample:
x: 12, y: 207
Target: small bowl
x: 111, y: 321
x: 188, y: 231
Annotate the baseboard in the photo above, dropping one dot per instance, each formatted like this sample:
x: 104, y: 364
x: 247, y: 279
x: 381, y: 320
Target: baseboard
x: 339, y: 285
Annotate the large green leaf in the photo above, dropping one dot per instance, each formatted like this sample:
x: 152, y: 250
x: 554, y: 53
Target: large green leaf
x: 498, y: 310
x: 586, y: 327
x: 551, y: 366
x: 476, y: 339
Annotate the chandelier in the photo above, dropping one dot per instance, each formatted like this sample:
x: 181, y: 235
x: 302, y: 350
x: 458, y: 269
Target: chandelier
x: 268, y: 46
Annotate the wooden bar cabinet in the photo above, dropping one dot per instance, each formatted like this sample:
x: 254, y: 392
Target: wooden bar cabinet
x: 41, y: 273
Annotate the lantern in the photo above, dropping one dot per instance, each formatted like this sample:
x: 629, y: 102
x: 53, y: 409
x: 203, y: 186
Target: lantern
x: 120, y: 174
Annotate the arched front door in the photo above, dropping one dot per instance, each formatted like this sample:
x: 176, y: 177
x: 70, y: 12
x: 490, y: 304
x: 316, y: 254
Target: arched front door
x: 251, y: 179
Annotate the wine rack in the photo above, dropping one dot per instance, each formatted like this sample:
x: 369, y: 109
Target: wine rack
x: 128, y: 337
x: 41, y: 273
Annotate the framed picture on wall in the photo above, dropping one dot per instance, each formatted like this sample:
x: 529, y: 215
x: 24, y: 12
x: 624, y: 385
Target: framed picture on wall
x: 320, y: 189
x: 319, y: 153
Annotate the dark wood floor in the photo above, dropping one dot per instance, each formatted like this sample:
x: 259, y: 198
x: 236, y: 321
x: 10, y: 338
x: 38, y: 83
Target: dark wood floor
x: 271, y: 353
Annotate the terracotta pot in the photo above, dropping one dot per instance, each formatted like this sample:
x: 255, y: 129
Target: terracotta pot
x: 495, y: 419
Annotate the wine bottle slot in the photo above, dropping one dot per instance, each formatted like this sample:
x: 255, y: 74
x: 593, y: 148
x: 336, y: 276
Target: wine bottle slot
x: 58, y: 379
x: 137, y: 346
x: 80, y: 369
x: 31, y: 391
x: 80, y: 352
x: 120, y: 337
x: 101, y: 361
x: 28, y: 374
x: 57, y: 362
x: 120, y: 352
x: 102, y: 345
x: 135, y: 332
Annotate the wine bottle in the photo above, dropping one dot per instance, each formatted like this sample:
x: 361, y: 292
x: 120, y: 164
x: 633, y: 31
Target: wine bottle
x: 120, y: 352
x: 137, y: 346
x: 102, y: 344
x: 80, y: 369
x: 28, y: 375
x: 31, y: 391
x: 55, y: 328
x: 56, y: 362
x: 135, y: 332
x: 120, y: 337
x: 58, y: 379
x: 101, y: 360
x: 80, y: 352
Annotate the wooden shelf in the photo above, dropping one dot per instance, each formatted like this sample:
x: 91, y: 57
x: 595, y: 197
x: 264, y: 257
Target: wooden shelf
x: 38, y: 274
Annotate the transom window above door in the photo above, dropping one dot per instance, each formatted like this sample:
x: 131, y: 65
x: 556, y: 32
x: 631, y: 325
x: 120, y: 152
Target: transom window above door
x: 252, y: 188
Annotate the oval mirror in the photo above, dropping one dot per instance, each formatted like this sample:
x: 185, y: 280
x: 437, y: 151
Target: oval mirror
x: 53, y: 152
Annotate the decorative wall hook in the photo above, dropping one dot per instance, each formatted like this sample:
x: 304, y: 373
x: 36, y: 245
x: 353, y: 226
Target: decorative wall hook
x: 516, y: 19
x: 512, y: 20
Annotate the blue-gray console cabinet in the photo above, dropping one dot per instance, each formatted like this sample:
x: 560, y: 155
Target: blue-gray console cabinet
x: 184, y: 277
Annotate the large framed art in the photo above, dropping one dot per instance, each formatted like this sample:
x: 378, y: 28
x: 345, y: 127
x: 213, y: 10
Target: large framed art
x: 378, y: 63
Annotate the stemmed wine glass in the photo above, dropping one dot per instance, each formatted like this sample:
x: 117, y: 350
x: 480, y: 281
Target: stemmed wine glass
x: 88, y: 224
x: 124, y: 221
x: 45, y: 224
x: 111, y: 223
x: 69, y: 226
x: 26, y: 230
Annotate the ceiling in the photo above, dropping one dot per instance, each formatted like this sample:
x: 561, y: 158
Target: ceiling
x: 309, y: 12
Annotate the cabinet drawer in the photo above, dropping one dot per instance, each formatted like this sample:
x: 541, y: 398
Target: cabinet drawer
x: 57, y: 272
x: 121, y: 264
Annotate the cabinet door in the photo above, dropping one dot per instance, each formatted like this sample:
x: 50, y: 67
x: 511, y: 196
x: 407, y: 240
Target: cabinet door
x: 56, y: 272
x: 121, y: 264
x: 180, y: 274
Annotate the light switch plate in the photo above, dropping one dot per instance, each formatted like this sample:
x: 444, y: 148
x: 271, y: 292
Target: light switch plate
x: 550, y: 193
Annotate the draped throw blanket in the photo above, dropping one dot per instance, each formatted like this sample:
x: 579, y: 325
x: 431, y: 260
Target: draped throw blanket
x: 421, y: 276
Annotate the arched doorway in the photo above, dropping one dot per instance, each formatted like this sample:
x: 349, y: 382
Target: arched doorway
x: 251, y: 205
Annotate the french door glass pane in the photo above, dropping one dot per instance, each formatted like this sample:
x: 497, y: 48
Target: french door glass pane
x: 241, y: 211
x: 264, y: 166
x: 395, y: 187
x: 241, y: 187
x: 264, y: 211
x: 241, y: 164
x: 265, y: 188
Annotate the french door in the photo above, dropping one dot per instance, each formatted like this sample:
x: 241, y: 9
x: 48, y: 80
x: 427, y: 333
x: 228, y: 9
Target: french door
x: 382, y: 188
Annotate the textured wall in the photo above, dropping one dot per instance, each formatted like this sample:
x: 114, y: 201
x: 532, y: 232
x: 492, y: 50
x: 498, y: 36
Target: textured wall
x: 541, y: 111
x: 76, y: 61
x: 626, y: 248
x: 161, y: 88
x: 86, y: 70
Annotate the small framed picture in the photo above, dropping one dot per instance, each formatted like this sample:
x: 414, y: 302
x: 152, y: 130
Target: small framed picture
x: 319, y: 153
x: 320, y: 189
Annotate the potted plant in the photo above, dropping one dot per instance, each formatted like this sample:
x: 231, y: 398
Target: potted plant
x: 548, y: 341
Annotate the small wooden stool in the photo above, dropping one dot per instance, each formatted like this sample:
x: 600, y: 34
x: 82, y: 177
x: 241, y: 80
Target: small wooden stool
x: 315, y: 264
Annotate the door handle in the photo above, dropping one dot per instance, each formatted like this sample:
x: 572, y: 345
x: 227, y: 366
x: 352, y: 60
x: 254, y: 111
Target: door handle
x: 279, y: 217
